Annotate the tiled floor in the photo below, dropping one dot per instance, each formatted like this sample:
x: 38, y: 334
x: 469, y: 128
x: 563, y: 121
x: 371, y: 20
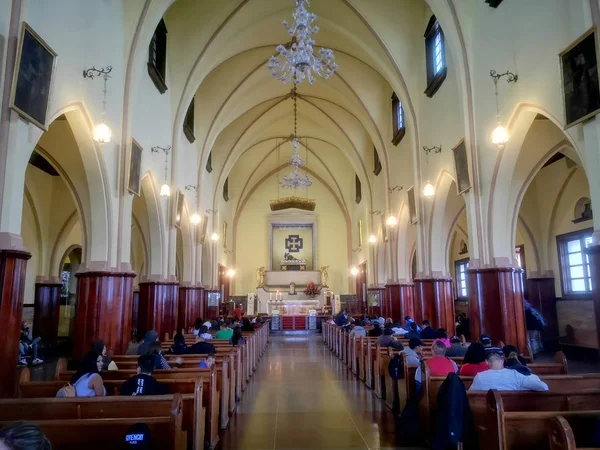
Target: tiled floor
x: 303, y: 397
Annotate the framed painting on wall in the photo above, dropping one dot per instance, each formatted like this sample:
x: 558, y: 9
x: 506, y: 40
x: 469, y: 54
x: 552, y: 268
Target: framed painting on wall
x: 412, y: 206
x: 179, y: 209
x: 135, y: 168
x: 32, y: 79
x: 581, y: 87
x: 461, y: 166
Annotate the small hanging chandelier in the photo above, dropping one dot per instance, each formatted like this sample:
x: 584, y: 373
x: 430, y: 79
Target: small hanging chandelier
x: 500, y: 134
x: 102, y: 132
x: 295, y: 179
x: 165, y: 189
x: 297, y: 62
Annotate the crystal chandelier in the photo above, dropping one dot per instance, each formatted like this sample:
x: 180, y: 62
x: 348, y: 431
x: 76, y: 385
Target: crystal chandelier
x: 297, y: 62
x: 295, y: 179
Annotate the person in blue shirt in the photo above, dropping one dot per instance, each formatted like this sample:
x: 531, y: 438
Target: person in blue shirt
x: 409, y: 321
x: 208, y: 362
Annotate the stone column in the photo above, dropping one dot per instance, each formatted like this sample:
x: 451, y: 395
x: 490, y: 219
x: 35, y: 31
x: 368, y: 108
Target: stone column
x: 46, y: 312
x: 104, y: 311
x: 13, y: 267
x: 158, y: 308
x: 190, y: 303
x: 434, y: 301
x: 496, y: 305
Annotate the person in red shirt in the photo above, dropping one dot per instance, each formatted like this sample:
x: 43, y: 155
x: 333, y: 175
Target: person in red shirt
x: 474, y: 361
x: 439, y: 365
x: 237, y: 312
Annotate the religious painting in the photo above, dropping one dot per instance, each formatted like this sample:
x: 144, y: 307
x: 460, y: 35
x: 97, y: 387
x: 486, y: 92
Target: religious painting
x: 135, y: 168
x: 581, y: 87
x: 360, y: 233
x: 224, y: 234
x: 461, y: 166
x: 292, y: 247
x: 202, y: 229
x: 412, y: 206
x: 32, y: 80
x: 179, y: 209
x: 292, y: 290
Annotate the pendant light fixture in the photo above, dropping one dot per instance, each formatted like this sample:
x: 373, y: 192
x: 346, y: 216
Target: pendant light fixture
x: 194, y: 218
x: 372, y: 239
x: 428, y: 189
x: 165, y: 189
x: 214, y: 236
x: 102, y: 132
x: 500, y: 134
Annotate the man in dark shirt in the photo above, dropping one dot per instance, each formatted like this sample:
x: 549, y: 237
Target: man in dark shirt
x: 376, y: 330
x: 428, y: 332
x: 456, y: 348
x: 143, y: 383
x: 413, y: 333
x: 201, y: 347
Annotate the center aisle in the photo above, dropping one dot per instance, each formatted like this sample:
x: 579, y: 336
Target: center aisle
x: 303, y: 397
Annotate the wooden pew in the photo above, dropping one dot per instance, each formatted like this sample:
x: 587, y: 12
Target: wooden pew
x: 195, y: 402
x: 561, y: 434
x: 212, y: 396
x: 73, y: 409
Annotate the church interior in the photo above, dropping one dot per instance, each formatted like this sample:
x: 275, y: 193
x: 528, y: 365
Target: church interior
x: 300, y: 161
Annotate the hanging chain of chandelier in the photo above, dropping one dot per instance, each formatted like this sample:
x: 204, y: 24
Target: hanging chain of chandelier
x: 296, y: 63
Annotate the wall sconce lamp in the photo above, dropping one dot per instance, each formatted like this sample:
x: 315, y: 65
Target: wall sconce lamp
x: 227, y: 251
x: 500, y: 134
x: 354, y: 271
x: 102, y: 133
x: 231, y: 273
x: 372, y: 239
x: 165, y: 189
x: 428, y: 189
x: 195, y: 218
x: 357, y: 249
x: 215, y: 236
x: 395, y: 188
x: 375, y: 213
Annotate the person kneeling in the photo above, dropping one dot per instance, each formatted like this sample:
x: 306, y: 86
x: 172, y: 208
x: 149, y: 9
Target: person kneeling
x: 503, y: 379
x: 143, y: 383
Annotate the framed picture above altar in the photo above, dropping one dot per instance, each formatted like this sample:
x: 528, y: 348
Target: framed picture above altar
x: 292, y: 247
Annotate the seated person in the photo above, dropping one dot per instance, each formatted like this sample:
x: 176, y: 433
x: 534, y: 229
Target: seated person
x: 23, y: 436
x: 210, y: 361
x: 237, y: 338
x: 427, y: 332
x: 143, y: 383
x: 204, y: 334
x: 224, y: 333
x: 503, y: 379
x: 410, y: 321
x: 87, y: 381
x: 387, y: 340
x: 208, y: 324
x: 359, y: 330
x: 413, y: 333
x: 27, y: 342
x: 155, y: 350
x: 178, y: 347
x: 201, y: 347
x: 197, y: 326
x: 376, y: 330
x: 398, y: 330
x: 439, y: 365
x: 486, y: 341
x: 107, y: 364
x: 474, y: 361
x: 442, y: 336
x: 247, y: 325
x: 513, y: 360
x: 142, y: 348
x: 456, y: 348
x: 414, y: 352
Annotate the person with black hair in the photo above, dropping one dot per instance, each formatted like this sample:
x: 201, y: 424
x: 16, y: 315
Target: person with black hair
x: 23, y: 436
x: 474, y: 360
x: 201, y: 347
x: 155, y: 351
x: 237, y: 338
x: 513, y: 360
x: 143, y: 383
x: 87, y: 381
x: 197, y: 326
x: 376, y: 330
x: 413, y: 333
x: 428, y: 332
x: 178, y: 347
x: 387, y: 340
x: 358, y: 330
x: 486, y: 341
x: 456, y: 348
x: 247, y: 325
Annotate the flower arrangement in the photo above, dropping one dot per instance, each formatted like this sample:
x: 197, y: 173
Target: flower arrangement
x: 312, y: 290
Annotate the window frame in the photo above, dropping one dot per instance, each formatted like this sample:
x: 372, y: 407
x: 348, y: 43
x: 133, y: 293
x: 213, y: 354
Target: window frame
x: 564, y: 267
x: 434, y: 79
x: 226, y: 190
x: 188, y: 123
x: 399, y: 132
x: 357, y: 189
x: 457, y: 264
x: 157, y: 57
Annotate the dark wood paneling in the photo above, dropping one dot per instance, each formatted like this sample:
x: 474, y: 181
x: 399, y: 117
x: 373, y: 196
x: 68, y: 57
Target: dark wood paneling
x: 393, y: 300
x: 46, y: 312
x: 496, y: 305
x: 13, y: 268
x: 104, y: 311
x: 189, y: 306
x: 135, y: 309
x: 158, y: 308
x: 434, y: 301
x: 542, y: 296
x: 361, y: 288
x: 407, y: 300
x: 400, y: 299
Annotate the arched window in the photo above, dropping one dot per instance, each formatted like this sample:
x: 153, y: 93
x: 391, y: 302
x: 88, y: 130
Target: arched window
x: 157, y: 57
x: 188, y: 124
x: 435, y: 49
x: 398, y: 120
x: 376, y: 162
x: 358, y: 189
x: 226, y: 190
